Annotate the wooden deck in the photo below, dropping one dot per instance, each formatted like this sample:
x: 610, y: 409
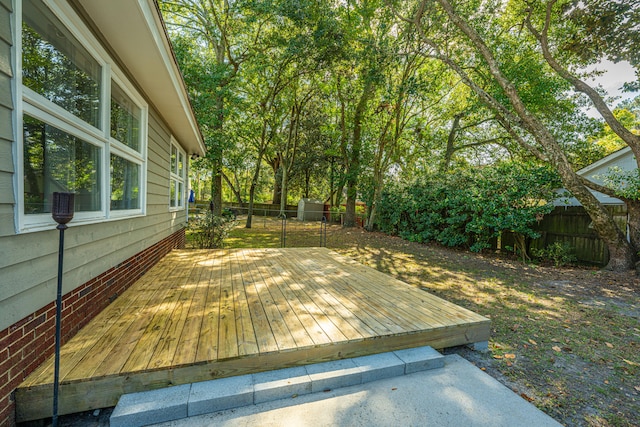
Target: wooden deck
x: 199, y: 315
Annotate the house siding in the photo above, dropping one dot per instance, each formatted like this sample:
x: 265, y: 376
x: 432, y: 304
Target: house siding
x: 6, y: 120
x: 101, y: 260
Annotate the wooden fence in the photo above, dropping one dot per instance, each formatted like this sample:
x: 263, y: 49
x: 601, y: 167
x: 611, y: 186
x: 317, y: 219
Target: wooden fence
x: 262, y: 209
x: 572, y: 225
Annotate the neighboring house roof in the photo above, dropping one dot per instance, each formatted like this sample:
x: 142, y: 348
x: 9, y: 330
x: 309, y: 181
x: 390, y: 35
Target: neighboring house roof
x: 623, y: 159
x: 135, y: 30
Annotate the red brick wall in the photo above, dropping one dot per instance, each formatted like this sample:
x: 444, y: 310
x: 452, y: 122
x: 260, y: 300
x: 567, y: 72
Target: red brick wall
x: 27, y: 343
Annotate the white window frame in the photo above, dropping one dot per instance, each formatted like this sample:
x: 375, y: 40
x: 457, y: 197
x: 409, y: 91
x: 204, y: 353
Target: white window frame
x: 37, y: 106
x: 175, y: 177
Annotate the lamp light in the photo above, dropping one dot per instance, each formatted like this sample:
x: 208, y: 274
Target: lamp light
x: 62, y: 212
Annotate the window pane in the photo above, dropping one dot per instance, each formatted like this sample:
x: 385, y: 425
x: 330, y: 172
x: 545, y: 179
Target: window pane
x: 57, y: 161
x: 125, y: 184
x: 180, y: 192
x: 172, y: 200
x: 180, y: 165
x: 174, y: 159
x: 125, y: 118
x: 55, y: 65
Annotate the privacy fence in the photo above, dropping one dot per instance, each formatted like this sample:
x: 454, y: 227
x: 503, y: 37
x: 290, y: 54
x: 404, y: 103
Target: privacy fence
x: 572, y: 225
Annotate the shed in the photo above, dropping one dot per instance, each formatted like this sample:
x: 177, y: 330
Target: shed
x: 310, y: 210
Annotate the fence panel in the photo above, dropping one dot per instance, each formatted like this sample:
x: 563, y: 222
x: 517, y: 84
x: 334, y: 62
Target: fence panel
x: 571, y: 224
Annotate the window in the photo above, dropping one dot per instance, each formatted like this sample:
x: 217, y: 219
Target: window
x: 84, y: 126
x: 125, y: 118
x: 57, y: 161
x: 56, y: 66
x: 177, y: 184
x: 125, y: 184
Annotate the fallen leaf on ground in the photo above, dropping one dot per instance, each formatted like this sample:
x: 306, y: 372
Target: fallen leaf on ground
x: 509, y: 356
x: 526, y: 397
x: 556, y: 348
x: 608, y: 344
x: 637, y: 388
x: 629, y: 362
x: 497, y: 356
x: 533, y: 342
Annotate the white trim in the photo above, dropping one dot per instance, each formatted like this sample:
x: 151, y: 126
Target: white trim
x: 18, y: 176
x: 176, y: 177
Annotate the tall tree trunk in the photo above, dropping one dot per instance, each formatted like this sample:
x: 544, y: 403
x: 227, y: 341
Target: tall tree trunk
x: 277, y: 186
x: 283, y: 192
x: 234, y: 190
x: 353, y: 173
x: 633, y: 222
x: 252, y: 192
x: 216, y: 184
x: 448, y: 155
x: 216, y: 163
x: 276, y: 167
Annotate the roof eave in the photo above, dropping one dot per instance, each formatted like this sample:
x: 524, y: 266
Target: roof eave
x: 135, y: 31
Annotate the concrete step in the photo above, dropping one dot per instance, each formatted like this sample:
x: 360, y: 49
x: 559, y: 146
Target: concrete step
x: 172, y: 403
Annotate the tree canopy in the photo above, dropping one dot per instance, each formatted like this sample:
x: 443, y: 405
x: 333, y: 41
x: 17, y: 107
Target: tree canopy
x: 351, y: 101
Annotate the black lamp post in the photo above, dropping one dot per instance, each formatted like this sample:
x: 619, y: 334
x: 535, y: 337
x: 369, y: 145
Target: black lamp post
x: 62, y: 213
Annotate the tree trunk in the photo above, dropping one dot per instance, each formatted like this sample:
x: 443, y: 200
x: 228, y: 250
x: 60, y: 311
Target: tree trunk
x: 283, y: 192
x: 234, y: 190
x: 254, y: 184
x: 216, y: 185
x: 377, y: 196
x: 353, y: 173
x: 633, y: 222
x: 252, y: 191
x: 276, y: 196
x: 448, y: 155
x: 622, y: 255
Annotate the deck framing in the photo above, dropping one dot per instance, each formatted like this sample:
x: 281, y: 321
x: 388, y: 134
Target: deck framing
x: 200, y: 315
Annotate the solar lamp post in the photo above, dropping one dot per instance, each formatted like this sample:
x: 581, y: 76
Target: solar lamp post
x: 62, y: 212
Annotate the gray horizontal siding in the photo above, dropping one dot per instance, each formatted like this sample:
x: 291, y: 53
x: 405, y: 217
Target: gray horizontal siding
x: 7, y: 200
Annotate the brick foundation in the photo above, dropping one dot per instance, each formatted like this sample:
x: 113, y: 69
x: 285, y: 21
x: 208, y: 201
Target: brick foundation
x: 26, y: 344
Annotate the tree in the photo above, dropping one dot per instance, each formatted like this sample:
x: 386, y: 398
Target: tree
x: 506, y: 93
x: 209, y: 39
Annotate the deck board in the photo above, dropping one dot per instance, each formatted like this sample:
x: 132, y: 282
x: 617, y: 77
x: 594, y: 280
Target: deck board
x: 199, y: 315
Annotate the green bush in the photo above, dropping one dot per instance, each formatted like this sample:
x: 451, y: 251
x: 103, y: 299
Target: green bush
x: 559, y: 253
x: 469, y: 207
x: 208, y: 231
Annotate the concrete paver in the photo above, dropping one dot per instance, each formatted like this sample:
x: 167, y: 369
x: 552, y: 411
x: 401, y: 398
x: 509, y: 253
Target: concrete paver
x: 459, y: 394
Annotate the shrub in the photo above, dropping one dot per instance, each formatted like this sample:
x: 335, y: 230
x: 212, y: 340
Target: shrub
x: 559, y: 253
x: 469, y: 207
x: 208, y: 231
